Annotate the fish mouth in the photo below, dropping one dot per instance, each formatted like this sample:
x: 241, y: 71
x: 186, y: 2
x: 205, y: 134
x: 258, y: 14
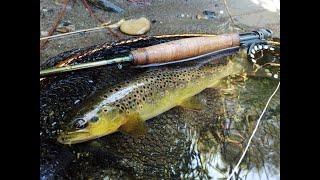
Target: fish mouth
x: 75, y: 137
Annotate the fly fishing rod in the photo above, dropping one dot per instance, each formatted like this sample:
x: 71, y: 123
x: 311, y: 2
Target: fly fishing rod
x: 177, y: 51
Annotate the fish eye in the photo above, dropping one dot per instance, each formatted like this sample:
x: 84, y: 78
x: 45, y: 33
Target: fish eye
x: 80, y: 124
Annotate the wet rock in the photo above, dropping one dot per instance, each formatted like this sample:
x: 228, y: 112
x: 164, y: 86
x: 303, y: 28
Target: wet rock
x: 209, y: 14
x: 135, y: 26
x: 106, y: 5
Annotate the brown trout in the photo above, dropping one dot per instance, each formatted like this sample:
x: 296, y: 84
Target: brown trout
x: 126, y: 106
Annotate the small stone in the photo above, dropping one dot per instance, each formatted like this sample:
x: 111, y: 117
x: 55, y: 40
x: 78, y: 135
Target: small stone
x: 182, y: 15
x: 45, y: 10
x: 51, y: 113
x: 77, y: 101
x: 269, y: 74
x: 66, y: 23
x: 65, y: 29
x: 136, y: 26
x: 266, y: 70
x: 201, y: 17
x: 209, y: 14
x: 221, y: 12
x: 44, y: 33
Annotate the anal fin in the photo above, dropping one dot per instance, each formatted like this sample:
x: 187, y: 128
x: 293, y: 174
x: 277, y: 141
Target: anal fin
x: 193, y: 103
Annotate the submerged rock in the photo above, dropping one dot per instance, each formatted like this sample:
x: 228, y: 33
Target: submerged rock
x: 206, y: 15
x: 106, y: 5
x: 209, y: 14
x: 135, y: 26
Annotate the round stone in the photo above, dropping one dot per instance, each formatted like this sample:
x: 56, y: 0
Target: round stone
x: 135, y: 26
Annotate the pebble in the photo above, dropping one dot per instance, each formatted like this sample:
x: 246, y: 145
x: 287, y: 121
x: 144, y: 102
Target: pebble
x: 44, y: 33
x: 206, y: 15
x: 269, y: 74
x: 66, y: 23
x: 201, y: 17
x: 209, y: 14
x: 135, y: 26
x: 66, y: 29
x: 184, y: 15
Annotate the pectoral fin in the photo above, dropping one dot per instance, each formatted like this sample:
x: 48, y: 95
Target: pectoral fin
x: 135, y: 126
x: 194, y: 103
x: 224, y: 86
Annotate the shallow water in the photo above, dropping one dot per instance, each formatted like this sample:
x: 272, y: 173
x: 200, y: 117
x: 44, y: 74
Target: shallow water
x: 181, y: 143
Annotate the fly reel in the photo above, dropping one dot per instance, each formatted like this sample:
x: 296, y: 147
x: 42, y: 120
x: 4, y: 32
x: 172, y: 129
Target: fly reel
x: 263, y: 54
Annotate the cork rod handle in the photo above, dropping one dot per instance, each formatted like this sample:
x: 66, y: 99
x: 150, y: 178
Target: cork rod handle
x: 183, y: 48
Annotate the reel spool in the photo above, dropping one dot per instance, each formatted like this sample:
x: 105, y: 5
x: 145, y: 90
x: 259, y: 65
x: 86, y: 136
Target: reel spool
x: 261, y: 53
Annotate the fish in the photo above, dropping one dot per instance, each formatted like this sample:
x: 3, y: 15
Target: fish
x: 126, y: 106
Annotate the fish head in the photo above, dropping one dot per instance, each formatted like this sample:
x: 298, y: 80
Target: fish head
x: 92, y: 125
